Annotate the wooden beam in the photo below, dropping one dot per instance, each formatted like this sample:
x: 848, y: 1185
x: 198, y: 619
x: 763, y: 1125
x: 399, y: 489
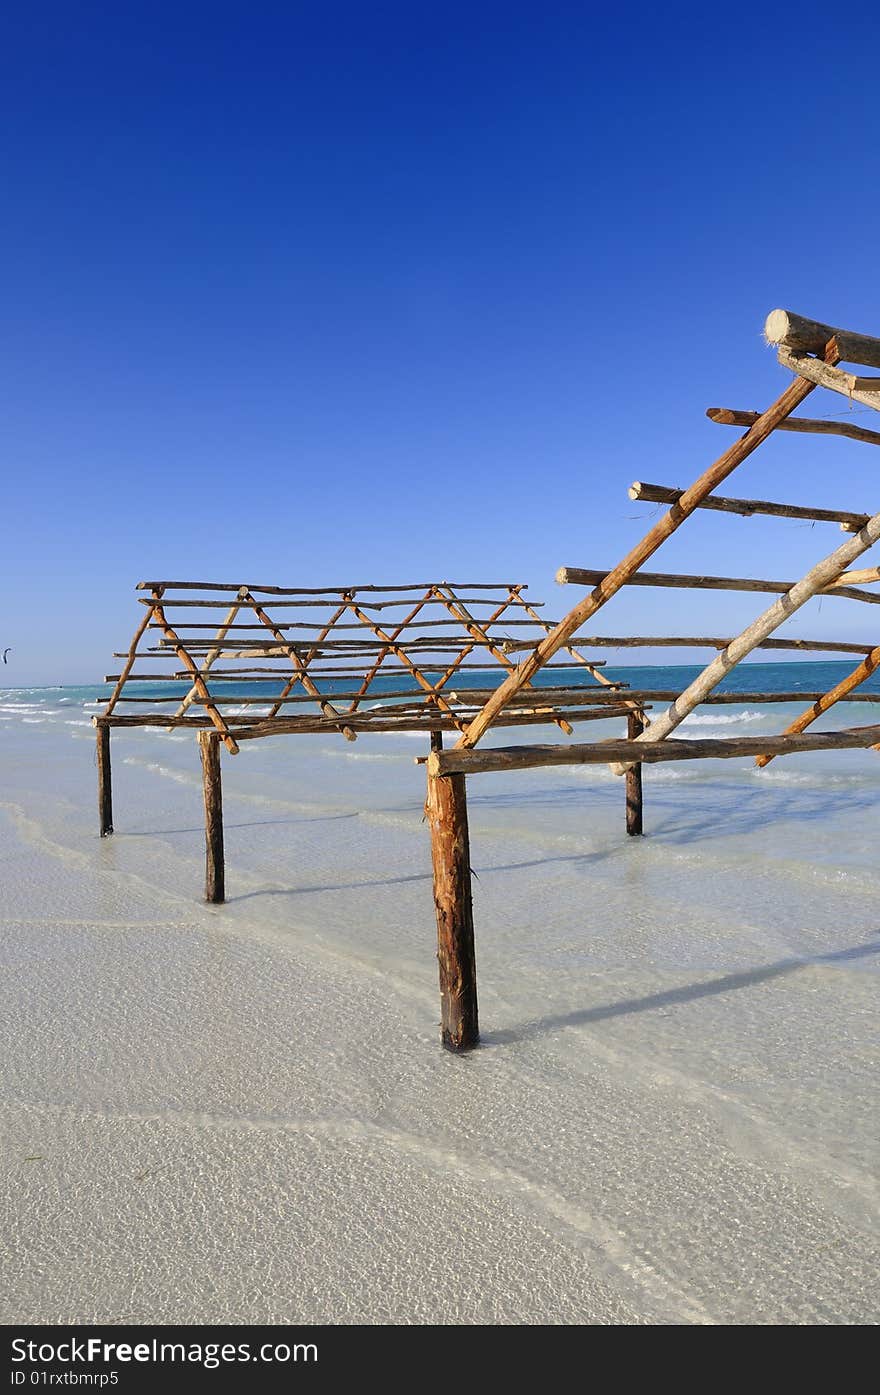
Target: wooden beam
x: 188, y: 625
x: 637, y: 696
x: 201, y: 603
x: 813, y: 370
x: 661, y: 494
x: 796, y: 332
x: 560, y: 635
x: 446, y: 812
x: 841, y: 690
x: 326, y: 590
x: 581, y: 576
x: 815, y: 581
x: 710, y: 642
x: 426, y: 719
x: 215, y: 869
x: 725, y: 416
x: 105, y: 782
x: 462, y: 761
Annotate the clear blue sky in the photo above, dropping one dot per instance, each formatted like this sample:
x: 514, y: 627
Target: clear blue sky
x: 325, y: 293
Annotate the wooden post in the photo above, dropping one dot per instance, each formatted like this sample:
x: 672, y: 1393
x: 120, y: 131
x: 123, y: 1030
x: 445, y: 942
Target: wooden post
x: 436, y: 741
x: 105, y: 782
x: 634, y: 728
x: 215, y: 873
x: 446, y: 810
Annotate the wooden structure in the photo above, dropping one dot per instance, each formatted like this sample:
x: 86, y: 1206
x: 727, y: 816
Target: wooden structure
x: 463, y: 659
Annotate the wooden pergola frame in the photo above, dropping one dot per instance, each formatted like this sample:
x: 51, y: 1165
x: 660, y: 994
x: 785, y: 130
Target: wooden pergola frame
x: 325, y: 661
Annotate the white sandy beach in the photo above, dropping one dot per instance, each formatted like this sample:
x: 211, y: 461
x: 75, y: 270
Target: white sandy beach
x: 242, y: 1113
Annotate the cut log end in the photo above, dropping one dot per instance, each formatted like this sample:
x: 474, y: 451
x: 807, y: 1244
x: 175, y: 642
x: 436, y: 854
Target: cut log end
x: 777, y: 327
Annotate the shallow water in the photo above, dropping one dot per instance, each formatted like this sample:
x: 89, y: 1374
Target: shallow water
x: 242, y: 1113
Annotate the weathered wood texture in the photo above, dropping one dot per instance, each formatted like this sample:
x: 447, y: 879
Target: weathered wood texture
x: 662, y: 494
x: 841, y: 690
x: 334, y: 591
x: 582, y: 576
x: 813, y: 370
x: 446, y: 811
x: 634, y: 728
x: 637, y: 696
x: 463, y: 761
x: 105, y: 780
x: 215, y: 866
x: 784, y: 327
x: 815, y: 581
x: 811, y: 646
x: 250, y: 726
x: 725, y: 416
x: 637, y: 556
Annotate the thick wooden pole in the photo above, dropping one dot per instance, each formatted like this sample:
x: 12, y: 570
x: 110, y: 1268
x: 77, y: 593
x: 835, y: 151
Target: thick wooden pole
x: 796, y: 332
x: 105, y: 782
x: 465, y: 762
x: 637, y: 556
x: 215, y: 869
x: 634, y: 728
x: 446, y: 811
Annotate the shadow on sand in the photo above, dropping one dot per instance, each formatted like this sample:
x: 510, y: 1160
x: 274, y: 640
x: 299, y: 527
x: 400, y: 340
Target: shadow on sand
x: 671, y: 997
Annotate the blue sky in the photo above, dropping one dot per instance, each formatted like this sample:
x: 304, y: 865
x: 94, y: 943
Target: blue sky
x: 314, y: 294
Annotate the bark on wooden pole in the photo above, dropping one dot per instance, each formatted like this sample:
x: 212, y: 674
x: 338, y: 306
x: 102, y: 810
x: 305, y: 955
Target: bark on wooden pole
x: 838, y: 586
x: 496, y: 758
x: 662, y: 494
x: 215, y: 870
x: 726, y: 416
x: 446, y: 811
x: 791, y: 331
x: 634, y: 728
x: 105, y: 782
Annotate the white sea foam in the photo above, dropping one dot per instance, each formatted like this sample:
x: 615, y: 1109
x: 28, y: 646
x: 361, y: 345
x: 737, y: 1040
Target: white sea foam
x: 182, y: 777
x: 722, y: 719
